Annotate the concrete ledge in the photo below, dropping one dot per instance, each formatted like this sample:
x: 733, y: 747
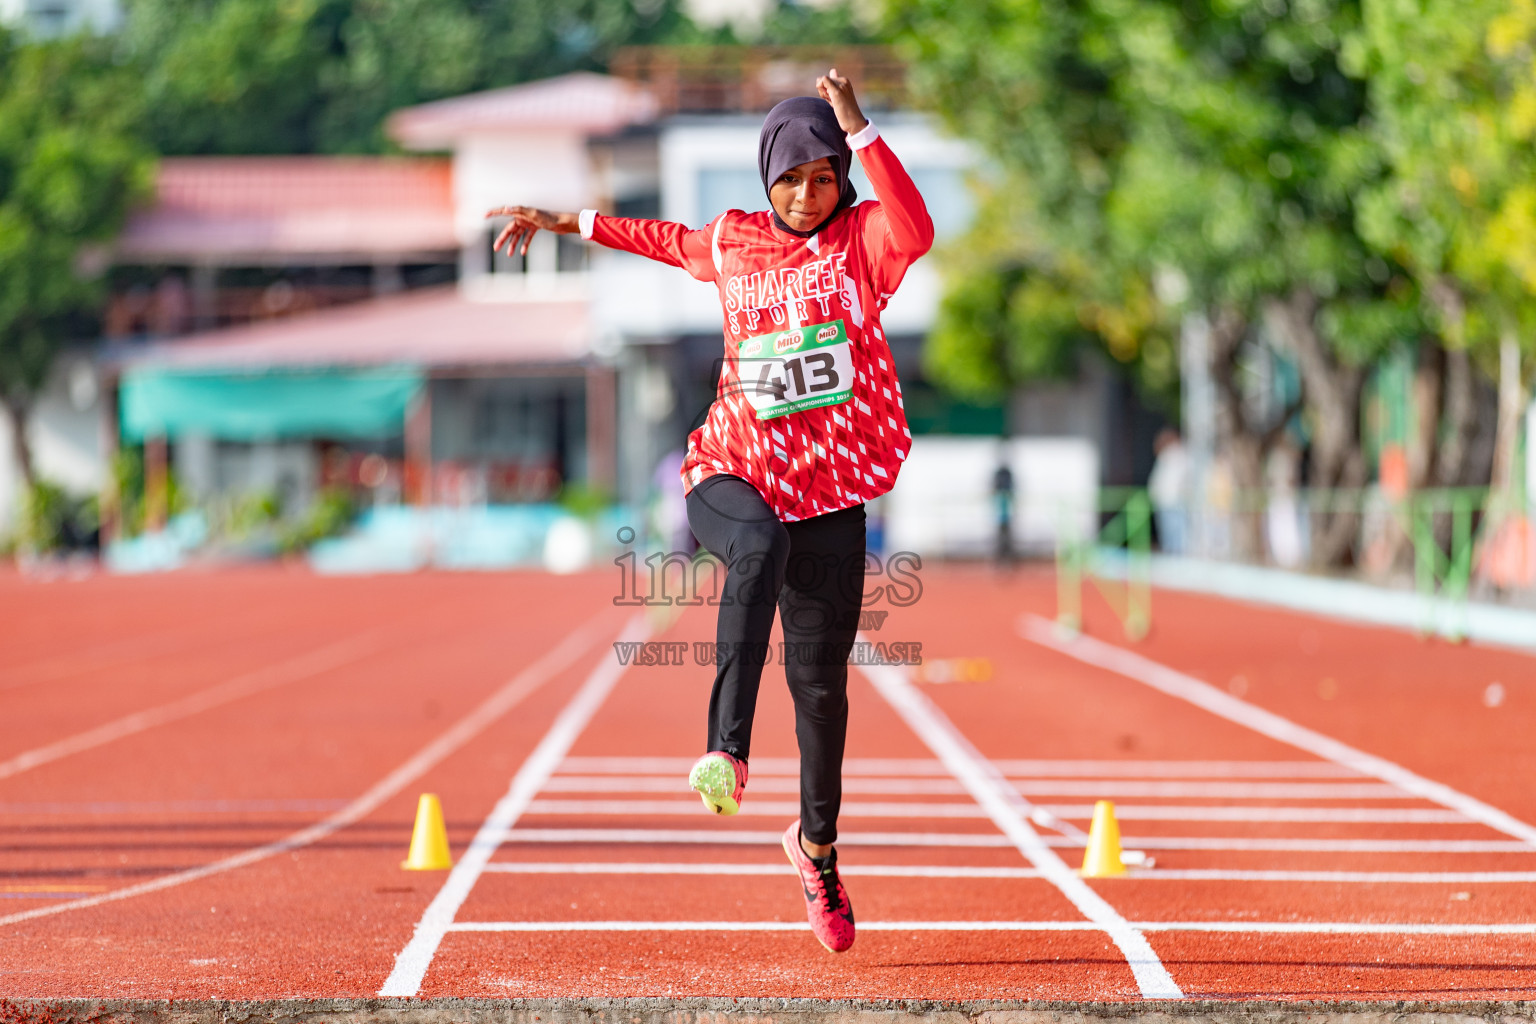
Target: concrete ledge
x: 750, y: 1011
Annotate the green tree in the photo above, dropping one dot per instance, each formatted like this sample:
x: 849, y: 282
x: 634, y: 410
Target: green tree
x: 1168, y: 158
x: 319, y: 76
x: 71, y: 163
x: 1454, y: 101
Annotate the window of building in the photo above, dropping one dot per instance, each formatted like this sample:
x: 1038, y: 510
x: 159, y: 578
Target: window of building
x: 729, y: 188
x: 563, y: 254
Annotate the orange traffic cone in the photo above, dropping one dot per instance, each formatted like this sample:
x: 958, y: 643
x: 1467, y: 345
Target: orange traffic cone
x: 1102, y: 858
x: 429, y: 839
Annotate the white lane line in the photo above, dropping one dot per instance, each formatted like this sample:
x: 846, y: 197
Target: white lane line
x: 864, y: 786
x: 1125, y: 812
x: 778, y: 784
x: 732, y: 837
x: 763, y: 767
x: 78, y: 662
x: 1224, y: 705
x: 659, y: 836
x: 425, y: 759
x: 934, y: 871
x: 730, y: 869
x: 1345, y: 815
x: 1230, y: 927
x: 412, y: 963
x: 1174, y: 769
x: 1338, y: 928
x: 770, y: 926
x: 760, y: 808
x: 304, y: 666
x: 1350, y: 877
x: 1106, y: 789
x: 1011, y: 813
x: 1244, y: 843
x: 163, y: 807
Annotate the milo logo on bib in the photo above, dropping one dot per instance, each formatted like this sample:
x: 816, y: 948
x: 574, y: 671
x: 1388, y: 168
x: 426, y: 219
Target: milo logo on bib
x: 810, y: 367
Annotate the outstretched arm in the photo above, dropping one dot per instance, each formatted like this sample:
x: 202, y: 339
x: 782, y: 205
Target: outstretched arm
x: 660, y: 240
x: 899, y: 228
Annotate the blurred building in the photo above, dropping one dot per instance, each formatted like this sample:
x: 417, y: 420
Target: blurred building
x: 286, y: 323
x: 476, y: 383
x: 49, y: 18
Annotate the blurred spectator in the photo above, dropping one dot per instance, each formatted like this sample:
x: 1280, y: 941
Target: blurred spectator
x: 1168, y: 487
x: 1282, y: 512
x: 1002, y: 495
x: 1218, y: 510
x: 1508, y: 557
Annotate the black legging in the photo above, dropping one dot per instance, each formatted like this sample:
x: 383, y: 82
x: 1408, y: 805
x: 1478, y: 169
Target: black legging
x: 814, y: 569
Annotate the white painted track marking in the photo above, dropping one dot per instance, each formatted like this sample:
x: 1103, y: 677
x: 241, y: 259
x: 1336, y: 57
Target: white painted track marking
x: 857, y: 766
x: 1239, y: 927
x: 425, y: 759
x: 779, y: 784
x: 1322, y: 845
x: 1104, y: 789
x: 1339, y: 928
x: 1347, y: 877
x: 82, y: 660
x: 989, y: 789
x: 97, y: 807
x: 414, y: 960
x: 729, y: 869
x: 304, y: 666
x: 937, y: 871
x: 732, y: 837
x: 769, y: 926
x: 1379, y: 815
x: 753, y: 808
x: 860, y: 809
x: 761, y: 766
x: 1222, y: 704
x: 1174, y: 769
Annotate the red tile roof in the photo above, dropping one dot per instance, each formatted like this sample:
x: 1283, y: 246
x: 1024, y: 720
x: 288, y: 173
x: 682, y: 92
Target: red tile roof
x: 289, y: 209
x: 432, y: 327
x: 580, y: 102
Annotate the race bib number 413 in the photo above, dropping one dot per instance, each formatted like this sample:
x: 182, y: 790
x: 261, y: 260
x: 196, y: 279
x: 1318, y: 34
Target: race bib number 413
x: 796, y: 369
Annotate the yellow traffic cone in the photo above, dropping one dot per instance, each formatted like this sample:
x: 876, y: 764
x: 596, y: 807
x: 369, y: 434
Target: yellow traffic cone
x: 1102, y: 858
x: 429, y: 839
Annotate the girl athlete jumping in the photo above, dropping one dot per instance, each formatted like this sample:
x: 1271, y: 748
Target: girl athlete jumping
x: 806, y: 426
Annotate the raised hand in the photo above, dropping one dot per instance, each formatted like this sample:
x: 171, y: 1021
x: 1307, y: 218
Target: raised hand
x: 526, y: 222
x: 838, y: 91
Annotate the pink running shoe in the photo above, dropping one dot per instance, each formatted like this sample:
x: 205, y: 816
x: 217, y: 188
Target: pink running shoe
x: 826, y: 902
x: 719, y: 779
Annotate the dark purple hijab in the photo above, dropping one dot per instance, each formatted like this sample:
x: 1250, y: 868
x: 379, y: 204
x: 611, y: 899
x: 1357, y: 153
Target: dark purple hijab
x: 797, y: 131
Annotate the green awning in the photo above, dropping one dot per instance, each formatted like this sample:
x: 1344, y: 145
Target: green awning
x: 157, y: 401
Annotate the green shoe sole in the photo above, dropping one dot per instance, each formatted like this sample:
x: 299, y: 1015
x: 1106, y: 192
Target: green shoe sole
x: 714, y: 779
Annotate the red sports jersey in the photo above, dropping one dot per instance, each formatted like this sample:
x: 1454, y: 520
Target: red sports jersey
x: 808, y: 409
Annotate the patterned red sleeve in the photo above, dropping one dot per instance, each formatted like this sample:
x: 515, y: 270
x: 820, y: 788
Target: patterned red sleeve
x: 661, y: 240
x: 897, y: 230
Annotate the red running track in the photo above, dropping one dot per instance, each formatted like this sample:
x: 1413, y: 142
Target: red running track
x: 207, y: 783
